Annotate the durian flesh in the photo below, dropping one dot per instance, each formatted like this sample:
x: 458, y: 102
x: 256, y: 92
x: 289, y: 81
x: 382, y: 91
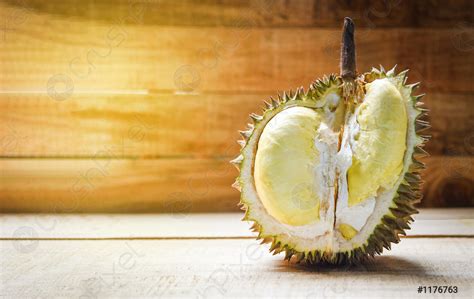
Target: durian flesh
x: 331, y: 179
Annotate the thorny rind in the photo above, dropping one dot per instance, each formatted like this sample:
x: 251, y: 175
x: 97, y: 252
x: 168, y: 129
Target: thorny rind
x: 397, y: 220
x: 391, y: 225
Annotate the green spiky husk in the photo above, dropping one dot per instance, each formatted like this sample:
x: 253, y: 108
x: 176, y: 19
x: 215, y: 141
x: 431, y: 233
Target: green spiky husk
x: 392, y: 224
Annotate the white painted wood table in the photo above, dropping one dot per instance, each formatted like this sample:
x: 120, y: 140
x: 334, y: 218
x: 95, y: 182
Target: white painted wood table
x: 214, y: 255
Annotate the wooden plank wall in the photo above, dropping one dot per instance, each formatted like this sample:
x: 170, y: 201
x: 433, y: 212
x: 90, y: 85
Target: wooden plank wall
x: 135, y: 105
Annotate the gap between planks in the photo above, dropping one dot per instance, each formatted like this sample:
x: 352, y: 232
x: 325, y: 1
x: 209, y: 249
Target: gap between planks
x: 430, y: 223
x: 106, y: 126
x: 206, y: 238
x: 179, y: 186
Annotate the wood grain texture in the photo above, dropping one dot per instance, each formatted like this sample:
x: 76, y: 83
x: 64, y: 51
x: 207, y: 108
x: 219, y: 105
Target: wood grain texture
x: 262, y: 13
x: 108, y: 185
x: 217, y: 268
x: 449, y: 182
x: 64, y: 54
x: 169, y: 125
x: 148, y: 95
x: 94, y: 125
x: 452, y: 121
x: 171, y: 185
x: 429, y: 222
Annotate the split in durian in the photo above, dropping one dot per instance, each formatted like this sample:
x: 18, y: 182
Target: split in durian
x: 331, y: 174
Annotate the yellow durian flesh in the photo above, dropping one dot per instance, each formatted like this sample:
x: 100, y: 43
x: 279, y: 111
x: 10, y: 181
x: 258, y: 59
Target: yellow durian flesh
x: 284, y: 166
x: 287, y: 157
x: 337, y: 179
x: 380, y: 143
x: 366, y: 173
x: 347, y: 231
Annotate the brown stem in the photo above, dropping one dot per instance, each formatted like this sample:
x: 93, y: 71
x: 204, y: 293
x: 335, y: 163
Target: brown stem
x: 348, y: 60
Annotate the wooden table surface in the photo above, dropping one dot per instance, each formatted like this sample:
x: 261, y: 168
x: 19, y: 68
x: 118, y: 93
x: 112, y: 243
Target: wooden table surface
x: 214, y: 255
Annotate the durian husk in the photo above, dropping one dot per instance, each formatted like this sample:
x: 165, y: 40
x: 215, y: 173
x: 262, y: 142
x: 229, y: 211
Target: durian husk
x: 391, y: 225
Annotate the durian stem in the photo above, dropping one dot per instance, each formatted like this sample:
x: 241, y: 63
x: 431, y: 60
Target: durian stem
x: 348, y: 58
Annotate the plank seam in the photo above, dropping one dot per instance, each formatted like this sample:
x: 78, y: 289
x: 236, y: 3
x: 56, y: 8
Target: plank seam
x: 194, y: 238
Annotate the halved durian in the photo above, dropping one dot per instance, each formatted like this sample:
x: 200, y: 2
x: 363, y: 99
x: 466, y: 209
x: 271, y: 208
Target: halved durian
x: 330, y: 174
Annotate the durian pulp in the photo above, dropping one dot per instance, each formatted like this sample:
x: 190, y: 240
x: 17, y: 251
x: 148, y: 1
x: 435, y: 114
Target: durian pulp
x: 284, y: 166
x: 307, y: 176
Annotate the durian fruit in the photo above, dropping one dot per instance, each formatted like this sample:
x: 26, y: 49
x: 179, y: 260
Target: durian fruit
x: 330, y: 174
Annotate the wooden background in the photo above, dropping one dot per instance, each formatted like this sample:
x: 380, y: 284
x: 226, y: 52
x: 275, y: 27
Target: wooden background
x: 134, y: 106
